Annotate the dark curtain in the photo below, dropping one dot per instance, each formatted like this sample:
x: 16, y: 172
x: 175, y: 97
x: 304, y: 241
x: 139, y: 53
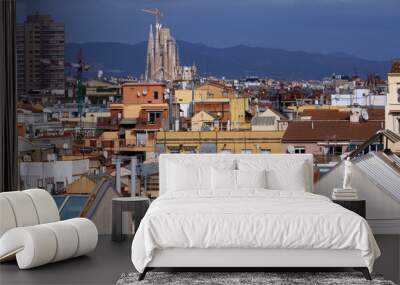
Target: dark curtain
x: 8, y: 97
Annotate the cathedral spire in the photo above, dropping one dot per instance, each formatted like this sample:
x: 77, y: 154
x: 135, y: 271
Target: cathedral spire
x: 162, y: 62
x: 150, y: 56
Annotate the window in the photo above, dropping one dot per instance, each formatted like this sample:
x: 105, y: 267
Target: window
x: 141, y: 139
x: 265, y: 151
x: 299, y: 149
x: 246, y: 151
x: 398, y: 125
x: 59, y: 187
x: 155, y: 95
x: 398, y: 92
x: 335, y: 150
x: 153, y: 117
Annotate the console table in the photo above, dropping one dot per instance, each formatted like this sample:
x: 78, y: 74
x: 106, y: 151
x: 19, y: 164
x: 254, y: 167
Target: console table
x: 136, y: 205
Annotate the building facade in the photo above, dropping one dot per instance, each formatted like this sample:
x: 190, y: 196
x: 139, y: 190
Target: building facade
x: 219, y: 142
x: 327, y: 134
x: 40, y: 56
x: 392, y: 109
x: 143, y: 93
x: 101, y: 92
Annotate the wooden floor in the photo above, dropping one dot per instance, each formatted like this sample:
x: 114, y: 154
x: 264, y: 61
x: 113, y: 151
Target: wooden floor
x: 103, y: 266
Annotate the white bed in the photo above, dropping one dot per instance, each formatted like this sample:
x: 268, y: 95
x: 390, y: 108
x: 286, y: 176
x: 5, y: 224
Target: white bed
x: 248, y: 226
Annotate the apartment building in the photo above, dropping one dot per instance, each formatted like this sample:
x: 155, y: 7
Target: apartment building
x: 143, y: 93
x: 330, y: 133
x: 392, y: 108
x: 102, y: 92
x: 40, y: 56
x: 219, y: 142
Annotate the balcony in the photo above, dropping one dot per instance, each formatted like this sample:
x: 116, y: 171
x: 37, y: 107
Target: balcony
x: 124, y: 146
x: 156, y: 124
x: 108, y: 123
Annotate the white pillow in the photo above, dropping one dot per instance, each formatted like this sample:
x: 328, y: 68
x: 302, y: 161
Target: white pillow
x: 251, y: 178
x: 287, y: 174
x: 188, y: 177
x: 295, y: 180
x: 223, y: 179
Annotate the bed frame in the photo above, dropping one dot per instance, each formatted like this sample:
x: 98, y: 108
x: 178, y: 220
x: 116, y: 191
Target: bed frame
x: 242, y: 259
x: 233, y: 259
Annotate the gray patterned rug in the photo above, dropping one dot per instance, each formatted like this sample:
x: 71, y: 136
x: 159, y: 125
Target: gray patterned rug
x: 275, y: 278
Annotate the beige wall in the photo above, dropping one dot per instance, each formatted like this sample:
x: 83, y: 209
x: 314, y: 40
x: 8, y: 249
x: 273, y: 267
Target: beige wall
x: 131, y: 111
x: 109, y: 136
x: 238, y: 108
x: 277, y: 126
x: 83, y: 185
x: 130, y: 137
x: 261, y: 128
x: 233, y: 141
x: 199, y: 119
x: 211, y: 92
x: 183, y: 96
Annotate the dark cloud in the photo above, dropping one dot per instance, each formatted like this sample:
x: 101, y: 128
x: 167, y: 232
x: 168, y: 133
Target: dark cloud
x: 367, y: 28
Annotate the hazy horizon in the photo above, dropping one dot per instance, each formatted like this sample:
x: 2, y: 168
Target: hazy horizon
x: 236, y: 45
x: 361, y: 28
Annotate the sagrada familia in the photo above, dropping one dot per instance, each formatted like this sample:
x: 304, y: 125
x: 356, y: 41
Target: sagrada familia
x: 162, y: 62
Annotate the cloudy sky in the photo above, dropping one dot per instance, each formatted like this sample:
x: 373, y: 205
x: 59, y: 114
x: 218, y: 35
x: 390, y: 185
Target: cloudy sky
x: 366, y: 28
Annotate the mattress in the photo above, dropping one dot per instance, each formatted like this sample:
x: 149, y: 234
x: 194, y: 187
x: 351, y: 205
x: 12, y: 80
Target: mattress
x: 250, y: 219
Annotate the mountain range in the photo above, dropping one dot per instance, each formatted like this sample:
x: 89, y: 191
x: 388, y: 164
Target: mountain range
x: 120, y: 59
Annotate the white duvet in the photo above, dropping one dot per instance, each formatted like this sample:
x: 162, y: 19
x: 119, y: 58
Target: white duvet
x: 250, y: 219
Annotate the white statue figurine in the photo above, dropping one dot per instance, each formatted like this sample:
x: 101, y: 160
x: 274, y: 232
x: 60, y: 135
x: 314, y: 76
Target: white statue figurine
x: 347, y: 175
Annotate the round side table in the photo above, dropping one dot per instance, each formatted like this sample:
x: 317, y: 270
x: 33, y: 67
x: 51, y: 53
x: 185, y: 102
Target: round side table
x: 136, y: 205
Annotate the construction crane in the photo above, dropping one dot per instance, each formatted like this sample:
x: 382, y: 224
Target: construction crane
x: 80, y: 67
x: 155, y: 12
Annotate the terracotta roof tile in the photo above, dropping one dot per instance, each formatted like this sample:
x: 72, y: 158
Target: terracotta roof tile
x: 311, y: 131
x: 335, y: 114
x: 326, y: 114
